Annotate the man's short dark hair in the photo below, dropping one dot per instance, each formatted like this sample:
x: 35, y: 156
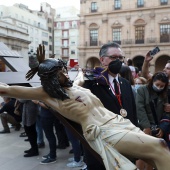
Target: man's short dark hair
x: 104, y: 48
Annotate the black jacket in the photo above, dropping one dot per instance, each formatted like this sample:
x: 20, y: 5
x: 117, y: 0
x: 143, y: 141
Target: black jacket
x: 109, y: 100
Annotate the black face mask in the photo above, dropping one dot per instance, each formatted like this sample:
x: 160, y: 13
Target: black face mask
x: 115, y: 66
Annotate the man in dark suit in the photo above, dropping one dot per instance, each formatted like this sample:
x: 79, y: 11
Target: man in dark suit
x: 114, y: 92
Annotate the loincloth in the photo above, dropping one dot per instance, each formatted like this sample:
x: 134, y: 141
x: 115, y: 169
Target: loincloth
x: 103, y: 139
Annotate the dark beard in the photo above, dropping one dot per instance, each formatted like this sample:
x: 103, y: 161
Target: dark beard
x: 54, y: 89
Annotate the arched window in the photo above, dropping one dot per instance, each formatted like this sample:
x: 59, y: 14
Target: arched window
x: 140, y: 31
x: 93, y: 34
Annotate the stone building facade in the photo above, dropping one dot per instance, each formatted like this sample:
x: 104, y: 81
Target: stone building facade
x: 137, y: 25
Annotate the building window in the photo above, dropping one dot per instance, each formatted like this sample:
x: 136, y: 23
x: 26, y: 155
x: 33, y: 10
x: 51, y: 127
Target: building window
x: 65, y: 43
x: 73, y: 52
x: 44, y: 34
x: 74, y: 24
x: 44, y: 42
x: 117, y: 35
x: 139, y: 34
x: 50, y: 38
x: 65, y: 53
x: 66, y: 24
x: 117, y: 4
x: 73, y: 43
x: 65, y: 34
x: 140, y: 3
x: 49, y: 29
x: 163, y: 2
x: 50, y: 47
x: 93, y: 37
x: 165, y: 33
x: 94, y: 7
x: 59, y: 25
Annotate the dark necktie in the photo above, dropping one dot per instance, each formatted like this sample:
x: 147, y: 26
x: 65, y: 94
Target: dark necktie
x: 116, y: 87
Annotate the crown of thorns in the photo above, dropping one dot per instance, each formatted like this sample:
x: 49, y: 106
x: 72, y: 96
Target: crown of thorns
x: 35, y: 59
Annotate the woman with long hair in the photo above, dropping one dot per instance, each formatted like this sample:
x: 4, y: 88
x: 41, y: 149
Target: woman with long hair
x: 150, y: 99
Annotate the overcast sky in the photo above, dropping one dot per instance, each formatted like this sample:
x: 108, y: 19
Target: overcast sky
x: 35, y: 4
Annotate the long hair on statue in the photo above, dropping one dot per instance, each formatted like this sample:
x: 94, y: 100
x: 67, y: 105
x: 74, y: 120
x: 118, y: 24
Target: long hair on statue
x: 51, y: 75
x: 50, y: 72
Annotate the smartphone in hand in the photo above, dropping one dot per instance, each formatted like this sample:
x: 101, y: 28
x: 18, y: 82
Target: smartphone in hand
x: 154, y: 51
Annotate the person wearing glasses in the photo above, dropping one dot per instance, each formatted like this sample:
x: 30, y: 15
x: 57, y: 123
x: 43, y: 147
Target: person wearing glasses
x: 114, y: 91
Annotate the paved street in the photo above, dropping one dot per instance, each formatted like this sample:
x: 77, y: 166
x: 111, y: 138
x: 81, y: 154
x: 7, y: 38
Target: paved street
x: 11, y: 154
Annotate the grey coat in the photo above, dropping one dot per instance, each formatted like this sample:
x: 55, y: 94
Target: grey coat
x: 30, y: 112
x: 144, y: 112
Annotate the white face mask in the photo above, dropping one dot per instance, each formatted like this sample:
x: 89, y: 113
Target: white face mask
x: 157, y: 89
x: 137, y: 86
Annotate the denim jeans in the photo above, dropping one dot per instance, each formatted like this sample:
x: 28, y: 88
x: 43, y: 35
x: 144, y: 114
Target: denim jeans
x: 48, y: 125
x: 75, y: 145
x: 40, y: 136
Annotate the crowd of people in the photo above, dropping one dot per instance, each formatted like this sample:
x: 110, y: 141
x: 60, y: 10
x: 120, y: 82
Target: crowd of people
x: 140, y: 98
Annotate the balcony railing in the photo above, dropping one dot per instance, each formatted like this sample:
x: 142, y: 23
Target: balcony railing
x: 119, y: 42
x: 116, y: 7
x: 139, y: 41
x: 165, y: 39
x: 64, y: 55
x: 92, y: 43
x: 93, y: 10
x: 152, y: 40
x: 65, y: 46
x: 65, y: 37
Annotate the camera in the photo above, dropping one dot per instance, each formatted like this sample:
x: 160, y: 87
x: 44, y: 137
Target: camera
x: 154, y: 51
x: 154, y: 130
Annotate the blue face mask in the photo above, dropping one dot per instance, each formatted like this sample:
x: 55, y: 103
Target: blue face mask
x: 137, y: 86
x: 157, y: 89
